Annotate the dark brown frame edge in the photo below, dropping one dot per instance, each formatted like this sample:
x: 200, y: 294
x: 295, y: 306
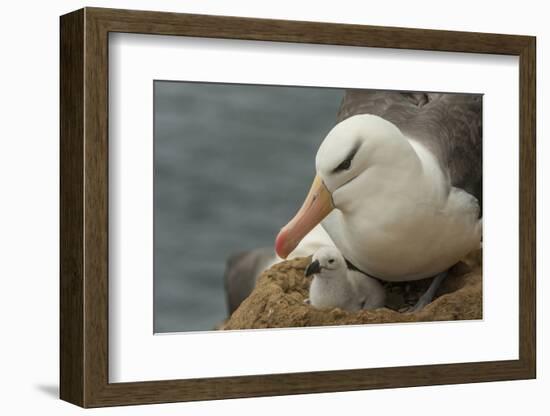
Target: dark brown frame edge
x: 84, y: 210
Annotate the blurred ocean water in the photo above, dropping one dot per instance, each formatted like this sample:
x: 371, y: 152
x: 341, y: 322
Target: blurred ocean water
x: 232, y: 165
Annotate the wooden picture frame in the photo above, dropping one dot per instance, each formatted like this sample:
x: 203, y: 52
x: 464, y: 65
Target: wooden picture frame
x: 84, y: 207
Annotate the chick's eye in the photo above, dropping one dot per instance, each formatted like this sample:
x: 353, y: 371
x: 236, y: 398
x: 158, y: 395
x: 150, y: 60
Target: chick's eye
x: 331, y: 261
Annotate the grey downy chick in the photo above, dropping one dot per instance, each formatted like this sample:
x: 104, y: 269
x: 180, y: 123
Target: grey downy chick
x: 336, y: 286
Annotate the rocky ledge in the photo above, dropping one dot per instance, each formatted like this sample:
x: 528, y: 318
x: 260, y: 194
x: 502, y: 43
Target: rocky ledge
x: 277, y: 301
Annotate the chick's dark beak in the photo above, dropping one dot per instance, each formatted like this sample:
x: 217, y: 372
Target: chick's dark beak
x: 313, y: 268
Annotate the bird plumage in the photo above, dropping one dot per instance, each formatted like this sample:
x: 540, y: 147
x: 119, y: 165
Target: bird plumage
x: 334, y: 285
x: 449, y: 125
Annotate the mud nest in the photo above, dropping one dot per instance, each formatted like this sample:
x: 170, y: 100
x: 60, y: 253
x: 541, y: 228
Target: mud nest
x: 277, y: 301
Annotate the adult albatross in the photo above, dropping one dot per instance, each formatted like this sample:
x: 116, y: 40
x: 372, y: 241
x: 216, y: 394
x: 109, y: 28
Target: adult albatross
x: 398, y: 185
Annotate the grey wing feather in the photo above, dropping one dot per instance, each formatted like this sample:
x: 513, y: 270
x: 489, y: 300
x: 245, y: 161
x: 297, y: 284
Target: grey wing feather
x: 241, y: 272
x: 450, y: 125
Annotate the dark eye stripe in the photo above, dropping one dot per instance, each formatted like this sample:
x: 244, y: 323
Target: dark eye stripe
x: 346, y: 163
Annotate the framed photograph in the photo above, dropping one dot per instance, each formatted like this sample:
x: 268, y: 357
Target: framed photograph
x: 254, y: 207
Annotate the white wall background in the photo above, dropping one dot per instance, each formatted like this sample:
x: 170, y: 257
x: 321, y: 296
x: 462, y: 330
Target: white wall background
x: 29, y: 85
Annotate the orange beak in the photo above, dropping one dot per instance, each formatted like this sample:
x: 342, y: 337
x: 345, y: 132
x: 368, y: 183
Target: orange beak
x: 315, y: 208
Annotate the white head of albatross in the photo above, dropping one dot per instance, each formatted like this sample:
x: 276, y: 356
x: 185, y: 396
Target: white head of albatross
x: 360, y: 157
x: 386, y: 204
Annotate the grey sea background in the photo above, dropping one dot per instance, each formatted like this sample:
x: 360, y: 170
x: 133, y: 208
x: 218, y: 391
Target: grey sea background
x: 232, y: 164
